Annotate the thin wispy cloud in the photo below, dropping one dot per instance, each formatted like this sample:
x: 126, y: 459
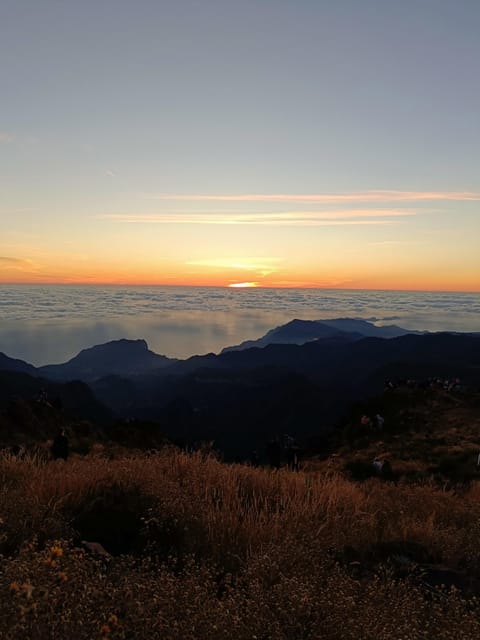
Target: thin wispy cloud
x: 9, y: 263
x: 5, y: 137
x: 262, y: 266
x: 391, y: 243
x: 8, y: 260
x: 325, y: 198
x: 330, y: 283
x: 282, y: 218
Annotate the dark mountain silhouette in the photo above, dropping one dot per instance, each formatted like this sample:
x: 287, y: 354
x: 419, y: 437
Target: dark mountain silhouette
x: 240, y: 398
x: 73, y: 399
x: 12, y: 364
x: 118, y: 357
x: 368, y: 329
x: 301, y: 331
x: 129, y: 358
x: 322, y: 359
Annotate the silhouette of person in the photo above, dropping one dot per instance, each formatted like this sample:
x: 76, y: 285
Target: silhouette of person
x: 274, y: 454
x: 379, y: 422
x: 60, y: 446
x: 291, y: 451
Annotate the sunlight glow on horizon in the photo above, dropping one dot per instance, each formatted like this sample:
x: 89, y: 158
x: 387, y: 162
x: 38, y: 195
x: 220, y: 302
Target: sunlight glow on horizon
x: 243, y: 285
x: 279, y: 145
x: 402, y: 248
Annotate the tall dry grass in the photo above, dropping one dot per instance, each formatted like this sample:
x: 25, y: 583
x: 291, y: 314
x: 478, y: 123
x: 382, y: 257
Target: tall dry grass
x: 223, y: 552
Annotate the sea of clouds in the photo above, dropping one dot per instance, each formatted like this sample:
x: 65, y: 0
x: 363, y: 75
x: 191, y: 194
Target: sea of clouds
x: 47, y: 324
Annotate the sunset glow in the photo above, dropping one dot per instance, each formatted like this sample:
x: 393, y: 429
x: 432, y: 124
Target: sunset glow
x: 363, y: 178
x: 243, y: 285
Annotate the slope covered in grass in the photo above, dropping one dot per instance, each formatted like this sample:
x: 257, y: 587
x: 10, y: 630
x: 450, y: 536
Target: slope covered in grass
x: 199, y: 549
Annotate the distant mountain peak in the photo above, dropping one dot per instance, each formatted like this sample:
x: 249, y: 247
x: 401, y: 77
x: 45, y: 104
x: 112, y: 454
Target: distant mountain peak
x: 299, y: 332
x: 120, y: 345
x: 118, y: 357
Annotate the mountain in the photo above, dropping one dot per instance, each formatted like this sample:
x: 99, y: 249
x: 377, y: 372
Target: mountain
x: 240, y: 398
x: 327, y: 357
x: 118, y: 357
x: 301, y: 331
x: 73, y: 399
x: 12, y: 364
x: 368, y: 329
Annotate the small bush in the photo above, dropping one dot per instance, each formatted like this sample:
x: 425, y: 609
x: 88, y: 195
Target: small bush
x: 460, y: 466
x: 111, y: 514
x: 360, y: 470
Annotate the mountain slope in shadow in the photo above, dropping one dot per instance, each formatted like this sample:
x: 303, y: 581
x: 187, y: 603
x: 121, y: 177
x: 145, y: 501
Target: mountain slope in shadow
x: 73, y: 398
x: 13, y: 364
x: 246, y: 396
x: 118, y: 357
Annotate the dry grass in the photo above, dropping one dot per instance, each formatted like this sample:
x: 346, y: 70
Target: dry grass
x: 223, y: 552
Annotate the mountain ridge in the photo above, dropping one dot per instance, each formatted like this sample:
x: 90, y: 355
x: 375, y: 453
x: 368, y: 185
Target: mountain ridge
x: 116, y: 357
x: 299, y: 332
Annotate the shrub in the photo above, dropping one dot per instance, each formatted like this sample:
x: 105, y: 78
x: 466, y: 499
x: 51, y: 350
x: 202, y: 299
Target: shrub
x: 360, y: 469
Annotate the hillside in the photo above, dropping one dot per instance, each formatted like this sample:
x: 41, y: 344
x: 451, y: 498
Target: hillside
x: 242, y: 398
x: 430, y: 433
x: 171, y: 545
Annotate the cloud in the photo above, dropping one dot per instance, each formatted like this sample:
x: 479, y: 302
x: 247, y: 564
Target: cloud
x: 9, y: 260
x: 282, y: 218
x: 390, y: 243
x: 330, y: 283
x: 5, y: 137
x: 109, y: 173
x: 8, y: 263
x: 325, y: 198
x: 262, y: 266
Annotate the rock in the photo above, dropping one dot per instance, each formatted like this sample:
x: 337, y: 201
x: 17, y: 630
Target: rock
x: 96, y: 549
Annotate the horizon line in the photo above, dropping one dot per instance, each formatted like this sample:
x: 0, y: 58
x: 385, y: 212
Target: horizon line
x: 229, y: 286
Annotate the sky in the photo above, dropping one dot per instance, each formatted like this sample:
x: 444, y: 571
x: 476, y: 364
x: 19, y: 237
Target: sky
x: 276, y: 143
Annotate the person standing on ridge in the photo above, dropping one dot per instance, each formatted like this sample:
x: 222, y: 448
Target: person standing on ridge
x: 60, y: 446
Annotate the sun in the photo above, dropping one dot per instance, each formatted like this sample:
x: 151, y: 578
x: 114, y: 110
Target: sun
x: 243, y: 285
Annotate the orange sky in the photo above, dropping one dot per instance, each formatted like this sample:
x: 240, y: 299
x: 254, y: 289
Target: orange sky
x: 380, y: 240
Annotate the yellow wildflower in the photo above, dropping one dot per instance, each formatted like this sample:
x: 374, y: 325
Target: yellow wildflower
x: 56, y: 552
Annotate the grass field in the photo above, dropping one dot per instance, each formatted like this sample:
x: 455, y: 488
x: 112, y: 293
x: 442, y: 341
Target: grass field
x: 199, y: 549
